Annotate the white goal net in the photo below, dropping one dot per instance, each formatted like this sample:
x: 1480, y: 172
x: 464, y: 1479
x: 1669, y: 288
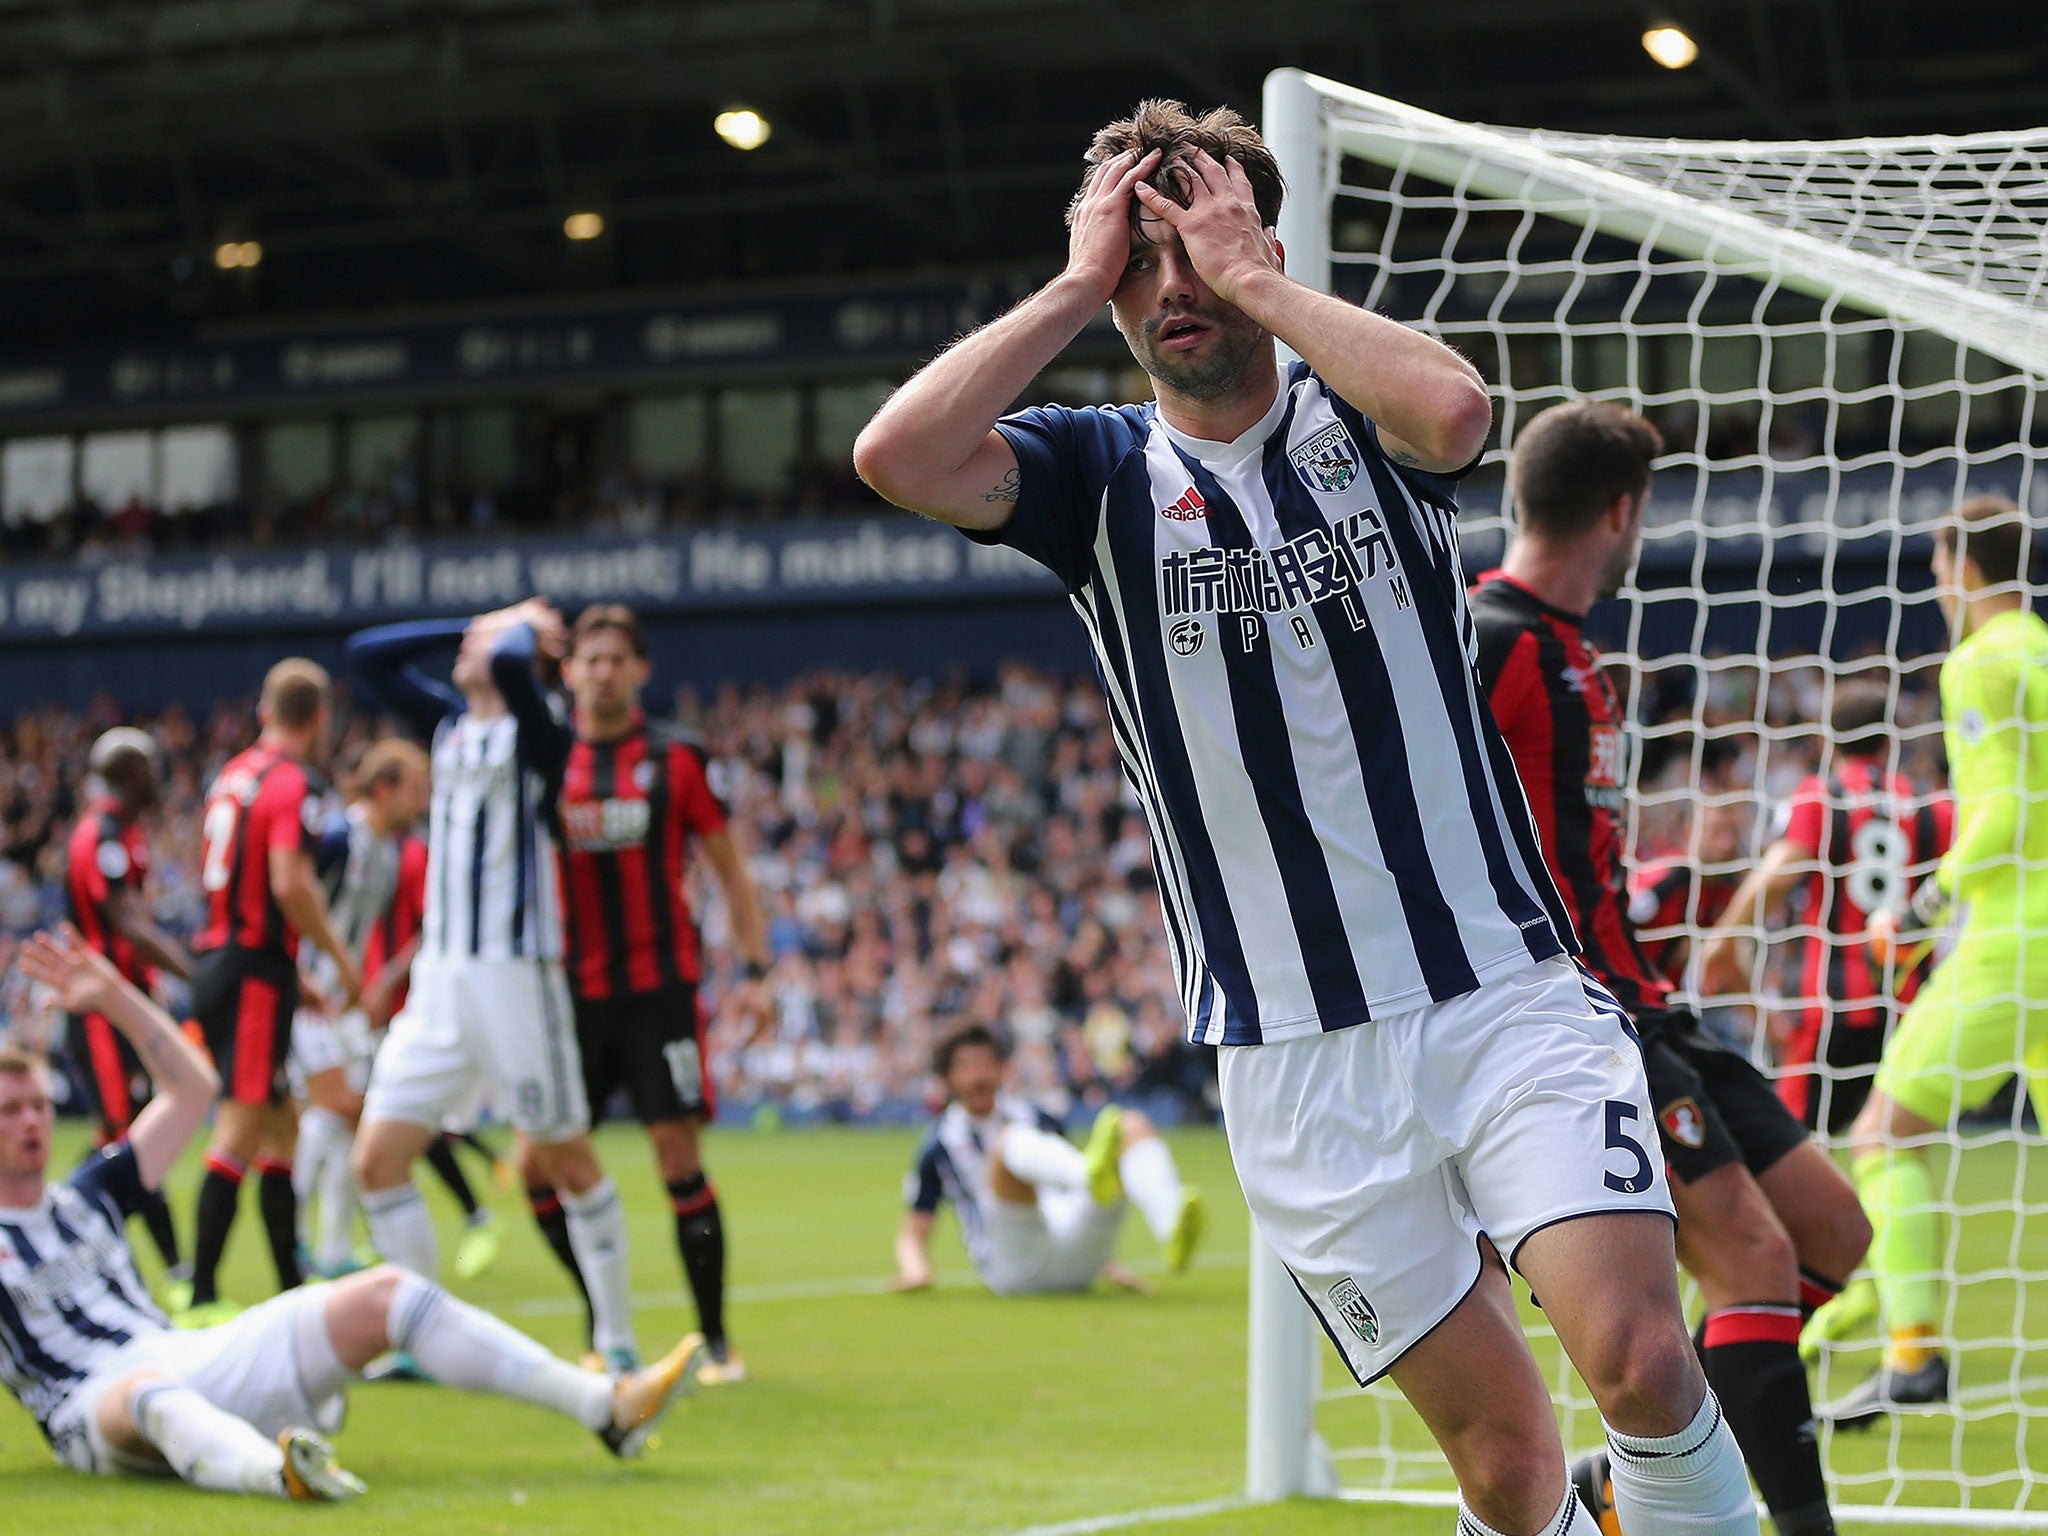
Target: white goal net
x: 1839, y: 341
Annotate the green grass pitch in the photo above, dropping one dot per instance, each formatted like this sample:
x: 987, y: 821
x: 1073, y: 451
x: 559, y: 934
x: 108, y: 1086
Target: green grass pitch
x: 949, y: 1413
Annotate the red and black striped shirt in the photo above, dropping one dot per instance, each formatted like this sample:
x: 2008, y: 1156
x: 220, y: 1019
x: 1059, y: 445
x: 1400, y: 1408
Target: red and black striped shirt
x: 1562, y: 722
x: 402, y: 920
x: 106, y: 854
x: 1869, y: 837
x: 629, y: 809
x: 1675, y: 899
x: 262, y: 799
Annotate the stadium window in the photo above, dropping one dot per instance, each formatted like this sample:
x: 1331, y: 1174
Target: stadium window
x: 843, y: 409
x: 197, y: 468
x: 381, y: 450
x: 487, y: 446
x: 36, y: 478
x: 757, y: 438
x: 665, y: 435
x: 117, y: 468
x: 298, y: 457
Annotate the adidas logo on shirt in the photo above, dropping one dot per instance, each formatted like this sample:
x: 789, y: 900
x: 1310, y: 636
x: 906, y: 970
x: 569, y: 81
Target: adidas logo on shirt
x: 1190, y: 508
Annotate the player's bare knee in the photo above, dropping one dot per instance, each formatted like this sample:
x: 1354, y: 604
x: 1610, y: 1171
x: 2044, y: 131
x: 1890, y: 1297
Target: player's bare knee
x: 1135, y: 1126
x: 378, y: 1164
x: 1646, y: 1378
x: 676, y: 1152
x: 570, y: 1165
x: 1504, y: 1477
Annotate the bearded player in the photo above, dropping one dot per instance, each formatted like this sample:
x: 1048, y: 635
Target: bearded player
x: 636, y: 806
x: 1759, y: 1204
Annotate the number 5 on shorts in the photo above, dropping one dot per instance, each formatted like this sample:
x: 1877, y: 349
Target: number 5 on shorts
x: 1619, y: 1140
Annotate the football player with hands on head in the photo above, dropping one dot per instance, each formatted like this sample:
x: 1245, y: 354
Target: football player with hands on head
x: 487, y: 1012
x: 1418, y: 1085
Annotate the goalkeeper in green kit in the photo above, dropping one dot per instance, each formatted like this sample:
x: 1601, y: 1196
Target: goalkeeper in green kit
x: 1983, y: 1015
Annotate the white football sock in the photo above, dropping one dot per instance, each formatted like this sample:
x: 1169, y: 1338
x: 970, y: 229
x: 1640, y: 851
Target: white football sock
x: 1688, y: 1484
x: 402, y: 1230
x: 338, y: 1207
x: 307, y: 1159
x: 1571, y: 1519
x: 321, y: 1173
x: 461, y: 1346
x: 597, y: 1236
x: 205, y: 1446
x: 1152, y: 1184
x: 1041, y: 1159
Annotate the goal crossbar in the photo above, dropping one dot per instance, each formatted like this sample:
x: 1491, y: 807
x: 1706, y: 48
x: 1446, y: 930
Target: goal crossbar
x: 1551, y: 173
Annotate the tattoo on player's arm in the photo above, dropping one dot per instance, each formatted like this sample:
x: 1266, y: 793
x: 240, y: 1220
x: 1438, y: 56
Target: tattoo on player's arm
x: 1013, y: 480
x: 1404, y: 457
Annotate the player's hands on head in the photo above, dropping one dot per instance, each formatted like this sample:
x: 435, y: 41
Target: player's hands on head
x: 1099, y: 243
x: 1220, y: 228
x: 84, y: 980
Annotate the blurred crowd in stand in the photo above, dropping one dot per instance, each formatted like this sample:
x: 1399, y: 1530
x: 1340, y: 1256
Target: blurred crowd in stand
x: 933, y: 852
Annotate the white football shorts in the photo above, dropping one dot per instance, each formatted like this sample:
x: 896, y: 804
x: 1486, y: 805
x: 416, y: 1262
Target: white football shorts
x: 1374, y: 1157
x: 474, y: 1030
x: 321, y: 1043
x: 274, y: 1366
x: 1060, y: 1244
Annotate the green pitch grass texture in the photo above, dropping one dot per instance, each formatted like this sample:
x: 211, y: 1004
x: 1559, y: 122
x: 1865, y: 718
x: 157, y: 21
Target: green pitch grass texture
x: 942, y: 1414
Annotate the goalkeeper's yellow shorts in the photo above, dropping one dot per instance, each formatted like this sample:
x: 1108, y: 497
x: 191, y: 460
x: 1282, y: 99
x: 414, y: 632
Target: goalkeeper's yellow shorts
x: 1979, y: 1020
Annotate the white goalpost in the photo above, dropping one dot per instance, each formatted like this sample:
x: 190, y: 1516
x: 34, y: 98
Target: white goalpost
x: 1839, y: 341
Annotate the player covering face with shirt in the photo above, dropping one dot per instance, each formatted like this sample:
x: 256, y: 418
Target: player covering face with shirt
x: 1416, y: 1080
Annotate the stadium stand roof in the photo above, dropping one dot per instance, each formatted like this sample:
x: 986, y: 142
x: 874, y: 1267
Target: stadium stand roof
x: 391, y: 153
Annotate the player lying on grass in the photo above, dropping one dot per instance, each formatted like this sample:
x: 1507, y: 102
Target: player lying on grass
x: 240, y: 1407
x: 1984, y: 1012
x: 1037, y: 1213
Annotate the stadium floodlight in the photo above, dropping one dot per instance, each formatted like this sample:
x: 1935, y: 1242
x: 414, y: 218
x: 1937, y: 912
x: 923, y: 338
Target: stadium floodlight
x: 1840, y: 340
x: 584, y: 225
x: 742, y: 127
x: 231, y: 255
x: 1670, y: 45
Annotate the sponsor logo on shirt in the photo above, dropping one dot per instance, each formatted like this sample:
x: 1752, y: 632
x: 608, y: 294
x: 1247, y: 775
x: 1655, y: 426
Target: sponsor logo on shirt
x: 603, y: 826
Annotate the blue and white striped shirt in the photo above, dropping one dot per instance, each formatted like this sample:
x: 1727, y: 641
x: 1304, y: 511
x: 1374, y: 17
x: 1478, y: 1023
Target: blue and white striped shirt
x: 493, y: 891
x: 1280, y: 625
x: 69, y: 1294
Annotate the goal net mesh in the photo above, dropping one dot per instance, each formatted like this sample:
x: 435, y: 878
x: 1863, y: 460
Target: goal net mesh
x: 1838, y: 341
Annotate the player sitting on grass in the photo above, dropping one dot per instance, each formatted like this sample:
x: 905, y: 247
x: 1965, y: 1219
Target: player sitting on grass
x: 1037, y: 1214
x: 1987, y: 1002
x: 236, y: 1408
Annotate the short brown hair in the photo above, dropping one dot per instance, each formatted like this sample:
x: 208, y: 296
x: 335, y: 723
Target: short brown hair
x: 964, y: 1038
x: 603, y: 616
x: 1571, y: 462
x: 294, y: 692
x: 387, y: 762
x: 1860, y: 719
x: 1177, y: 133
x: 1991, y: 531
x: 20, y: 1061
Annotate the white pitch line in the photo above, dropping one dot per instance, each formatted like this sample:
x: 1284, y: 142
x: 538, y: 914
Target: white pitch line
x: 813, y: 1290
x: 1159, y: 1516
